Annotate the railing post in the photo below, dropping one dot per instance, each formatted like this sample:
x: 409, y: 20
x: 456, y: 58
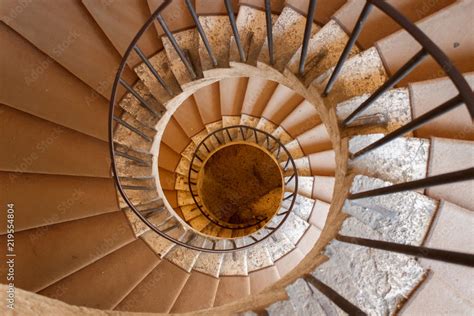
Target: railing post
x: 347, y: 49
x: 307, y: 34
x: 230, y: 13
x: 268, y: 17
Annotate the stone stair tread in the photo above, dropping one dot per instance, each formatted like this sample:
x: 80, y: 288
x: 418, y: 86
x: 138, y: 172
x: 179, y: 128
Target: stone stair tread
x: 157, y: 292
x: 188, y: 42
x: 388, y: 112
x: 281, y: 308
x: 185, y: 258
x: 403, y: 217
x: 51, y: 199
x: 302, y: 206
x: 52, y: 247
x: 160, y: 245
x: 443, y: 153
x: 288, y: 32
x: 157, y: 215
x: 319, y: 214
x: 408, y: 154
x: 324, y: 50
x: 303, y: 299
x: 362, y: 73
x: 294, y: 228
x: 108, y: 280
x: 235, y: 263
x: 161, y: 64
x: 218, y: 32
x: 209, y: 263
x: 198, y: 293
x: 232, y: 288
x: 425, y: 95
x: 141, y: 141
x: 258, y: 257
x: 376, y: 281
x: 259, y: 91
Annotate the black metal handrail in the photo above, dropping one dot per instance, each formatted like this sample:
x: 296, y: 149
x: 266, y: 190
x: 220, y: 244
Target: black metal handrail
x: 251, y: 134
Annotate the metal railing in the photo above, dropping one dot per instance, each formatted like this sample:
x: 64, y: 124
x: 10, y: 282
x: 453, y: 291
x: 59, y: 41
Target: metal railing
x: 465, y: 96
x: 237, y: 133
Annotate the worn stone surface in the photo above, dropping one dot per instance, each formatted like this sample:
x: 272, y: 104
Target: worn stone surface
x: 161, y: 64
x: 279, y: 245
x: 234, y: 263
x: 209, y: 263
x: 282, y: 135
x: 302, y: 167
x: 190, y: 212
x: 288, y: 33
x: 303, y: 300
x: 140, y: 190
x: 402, y: 217
x: 185, y: 198
x: 128, y: 167
x: 218, y: 31
x: 302, y: 207
x: 324, y: 49
x: 403, y: 159
x: 391, y: 111
x: 160, y: 245
x: 376, y: 281
x: 258, y: 257
x: 133, y: 106
x: 281, y: 308
x: 249, y: 120
x: 294, y: 228
x: 363, y: 73
x: 252, y: 22
x: 293, y: 148
x: 185, y: 257
x: 125, y: 136
x: 305, y: 186
x: 188, y: 41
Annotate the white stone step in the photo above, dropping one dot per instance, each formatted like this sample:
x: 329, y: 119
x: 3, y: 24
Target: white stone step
x: 185, y: 258
x: 234, y: 263
x: 160, y: 245
x: 401, y: 160
x: 294, y: 228
x: 302, y: 206
x: 324, y: 50
x: 281, y: 308
x: 302, y: 298
x: 218, y: 32
x: 402, y: 217
x: 258, y: 257
x: 390, y: 111
x: 209, y: 263
x: 376, y: 281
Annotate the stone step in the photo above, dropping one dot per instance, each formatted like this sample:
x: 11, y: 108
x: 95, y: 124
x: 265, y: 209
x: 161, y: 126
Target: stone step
x: 398, y: 48
x: 450, y: 280
x: 320, y: 163
x: 22, y: 83
x: 302, y: 206
x: 403, y: 217
x: 251, y: 23
x: 234, y: 263
x: 188, y: 41
x: 389, y: 112
x: 61, y: 249
x: 318, y: 187
x: 448, y: 155
x: 232, y: 288
x: 157, y: 292
x: 134, y: 134
x: 232, y: 94
x: 258, y: 257
x: 153, y: 211
x: 362, y: 73
x: 185, y: 258
x: 161, y: 64
x: 288, y: 33
x: 376, y: 281
x: 75, y: 28
x: 139, y: 190
x: 175, y: 137
x: 108, y: 280
x: 198, y: 293
x: 303, y: 299
x: 324, y: 11
x: 283, y: 101
x: 44, y: 147
x: 210, y: 263
x: 43, y: 200
x: 403, y: 159
x: 258, y: 94
x: 160, y: 245
x: 262, y: 279
x: 281, y: 308
x: 324, y: 49
x: 131, y: 163
x: 218, y: 32
x: 303, y: 118
x: 189, y: 119
x: 426, y: 95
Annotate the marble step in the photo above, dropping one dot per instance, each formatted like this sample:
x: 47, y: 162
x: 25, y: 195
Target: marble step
x: 185, y: 258
x: 376, y: 281
x: 389, y: 112
x: 401, y: 160
x: 210, y: 263
x: 403, y: 217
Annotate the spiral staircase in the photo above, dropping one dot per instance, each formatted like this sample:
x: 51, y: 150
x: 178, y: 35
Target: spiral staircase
x: 112, y: 110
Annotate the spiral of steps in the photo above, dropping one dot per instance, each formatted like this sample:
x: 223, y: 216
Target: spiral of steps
x: 136, y: 237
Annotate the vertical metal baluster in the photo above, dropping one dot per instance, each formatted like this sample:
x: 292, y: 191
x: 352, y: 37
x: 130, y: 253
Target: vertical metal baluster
x: 153, y: 70
x: 268, y: 17
x: 307, y: 35
x: 390, y: 83
x: 201, y: 32
x: 419, y: 121
x: 355, y: 34
x: 138, y: 97
x: 178, y: 49
x: 230, y: 13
